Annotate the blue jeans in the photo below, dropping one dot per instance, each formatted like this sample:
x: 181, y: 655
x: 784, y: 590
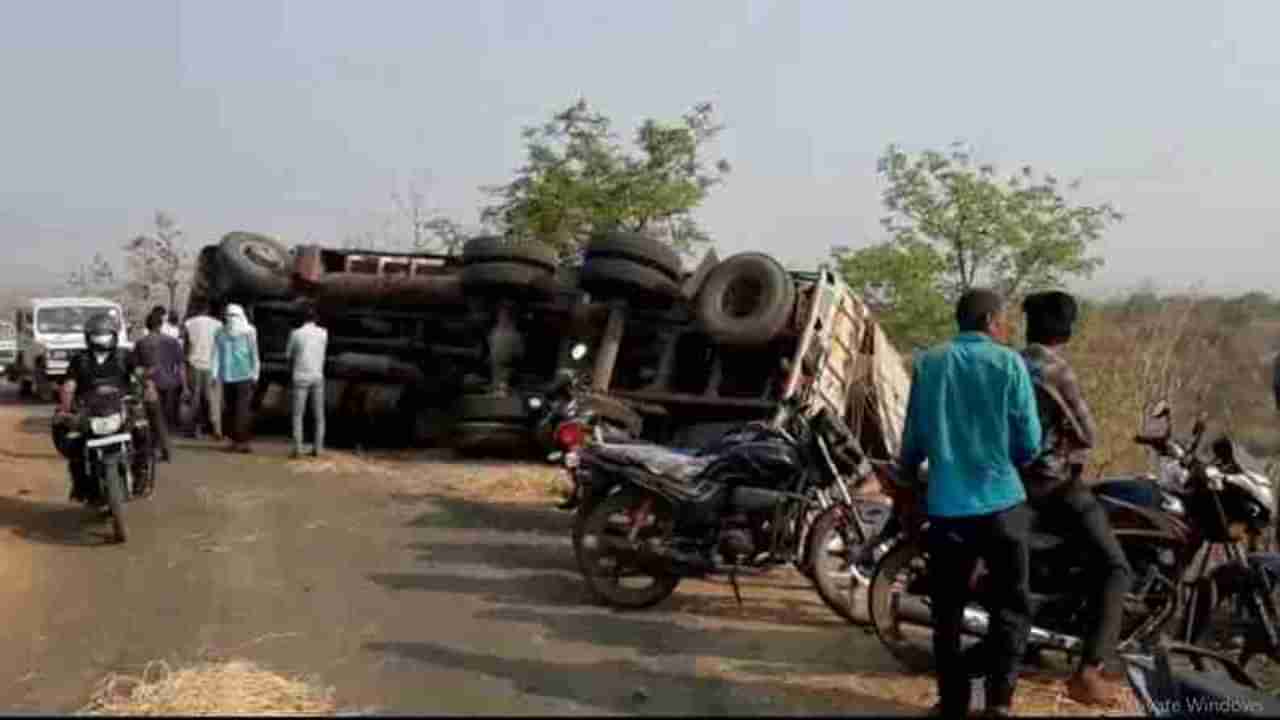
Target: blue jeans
x: 301, y: 392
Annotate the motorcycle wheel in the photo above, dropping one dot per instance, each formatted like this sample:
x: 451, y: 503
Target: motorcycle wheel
x: 832, y: 544
x: 898, y: 597
x: 114, y: 481
x: 603, y: 570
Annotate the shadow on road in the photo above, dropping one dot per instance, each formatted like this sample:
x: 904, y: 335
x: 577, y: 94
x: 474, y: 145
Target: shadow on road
x: 455, y: 513
x: 597, y: 684
x: 54, y: 524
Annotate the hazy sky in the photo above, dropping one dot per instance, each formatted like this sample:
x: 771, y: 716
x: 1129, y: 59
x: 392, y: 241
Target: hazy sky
x: 298, y: 118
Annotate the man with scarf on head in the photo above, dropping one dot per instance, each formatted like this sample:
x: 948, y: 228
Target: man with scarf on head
x: 1057, y: 492
x: 238, y: 370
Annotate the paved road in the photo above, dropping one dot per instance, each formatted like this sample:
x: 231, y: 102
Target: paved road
x: 404, y: 597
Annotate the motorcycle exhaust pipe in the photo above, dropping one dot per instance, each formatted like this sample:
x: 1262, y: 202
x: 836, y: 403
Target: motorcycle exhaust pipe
x: 978, y: 621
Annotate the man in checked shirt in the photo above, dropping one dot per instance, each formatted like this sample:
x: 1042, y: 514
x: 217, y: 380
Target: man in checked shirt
x: 1056, y: 490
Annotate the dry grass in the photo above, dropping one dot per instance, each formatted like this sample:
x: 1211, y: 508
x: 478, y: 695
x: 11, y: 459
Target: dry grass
x: 1181, y: 349
x: 414, y: 471
x: 233, y: 688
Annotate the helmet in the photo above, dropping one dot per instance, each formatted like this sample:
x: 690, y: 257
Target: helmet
x: 102, y: 332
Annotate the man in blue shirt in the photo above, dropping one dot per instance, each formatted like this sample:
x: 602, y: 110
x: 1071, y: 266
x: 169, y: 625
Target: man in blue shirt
x: 972, y: 415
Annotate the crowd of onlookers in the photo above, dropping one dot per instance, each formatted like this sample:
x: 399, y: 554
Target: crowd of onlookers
x: 199, y: 367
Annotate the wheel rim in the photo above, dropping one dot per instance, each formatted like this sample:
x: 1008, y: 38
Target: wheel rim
x: 262, y: 254
x: 609, y: 573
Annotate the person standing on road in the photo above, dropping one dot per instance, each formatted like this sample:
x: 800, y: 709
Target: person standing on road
x: 160, y: 357
x: 202, y: 380
x: 307, y: 347
x: 1057, y: 492
x: 971, y: 413
x: 170, y: 326
x: 238, y: 371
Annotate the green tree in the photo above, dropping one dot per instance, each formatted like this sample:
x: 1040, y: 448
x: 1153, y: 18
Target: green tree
x: 579, y: 180
x: 955, y: 224
x: 158, y: 260
x: 97, y: 277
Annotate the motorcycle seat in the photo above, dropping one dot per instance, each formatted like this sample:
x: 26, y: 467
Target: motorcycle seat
x: 654, y: 459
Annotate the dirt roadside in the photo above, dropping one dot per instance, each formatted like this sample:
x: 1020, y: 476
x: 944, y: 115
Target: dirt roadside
x: 409, y: 583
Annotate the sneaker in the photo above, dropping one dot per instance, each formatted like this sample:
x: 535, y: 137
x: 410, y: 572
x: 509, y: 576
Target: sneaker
x: 315, y: 453
x: 294, y: 454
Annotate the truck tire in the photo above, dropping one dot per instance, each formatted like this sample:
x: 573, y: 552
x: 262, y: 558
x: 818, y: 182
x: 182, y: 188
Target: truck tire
x: 24, y: 389
x: 616, y: 412
x: 497, y: 249
x: 639, y: 249
x: 746, y: 300
x: 611, y: 277
x: 473, y: 439
x: 255, y: 265
x: 491, y: 408
x: 497, y: 266
x: 507, y: 279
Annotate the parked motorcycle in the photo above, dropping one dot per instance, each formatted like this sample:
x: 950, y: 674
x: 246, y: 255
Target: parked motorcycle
x: 744, y: 503
x: 109, y: 436
x: 1163, y: 524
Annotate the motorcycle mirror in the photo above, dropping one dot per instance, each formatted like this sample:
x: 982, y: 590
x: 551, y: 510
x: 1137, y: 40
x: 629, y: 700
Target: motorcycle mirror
x: 578, y: 352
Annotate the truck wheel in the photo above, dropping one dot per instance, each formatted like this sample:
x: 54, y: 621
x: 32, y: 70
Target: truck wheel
x: 497, y: 266
x: 639, y: 249
x: 474, y: 439
x: 255, y: 265
x: 746, y: 300
x: 491, y: 408
x: 611, y: 277
x: 616, y: 412
x: 24, y: 389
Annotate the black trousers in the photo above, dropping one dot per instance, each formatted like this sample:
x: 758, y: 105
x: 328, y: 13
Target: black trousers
x: 955, y: 545
x: 1076, y: 514
x: 170, y: 404
x: 240, y: 400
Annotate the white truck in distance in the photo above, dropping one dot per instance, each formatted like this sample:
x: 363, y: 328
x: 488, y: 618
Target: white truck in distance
x: 50, y: 332
x: 8, y: 346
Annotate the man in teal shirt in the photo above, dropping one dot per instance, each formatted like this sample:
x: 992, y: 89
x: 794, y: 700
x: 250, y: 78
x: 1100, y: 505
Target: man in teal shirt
x: 972, y: 415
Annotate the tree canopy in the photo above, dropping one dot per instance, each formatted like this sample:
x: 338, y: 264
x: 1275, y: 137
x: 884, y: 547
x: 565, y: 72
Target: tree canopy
x: 954, y: 224
x: 579, y: 180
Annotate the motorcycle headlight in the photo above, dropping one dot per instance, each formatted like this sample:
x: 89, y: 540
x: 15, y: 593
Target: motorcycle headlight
x: 534, y: 402
x: 106, y: 425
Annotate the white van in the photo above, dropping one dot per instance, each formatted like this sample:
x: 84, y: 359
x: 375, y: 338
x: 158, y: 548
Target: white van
x: 8, y: 345
x: 50, y: 332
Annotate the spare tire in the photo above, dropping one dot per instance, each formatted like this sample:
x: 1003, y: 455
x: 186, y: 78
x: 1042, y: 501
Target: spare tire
x: 607, y: 277
x: 491, y: 408
x: 254, y: 265
x: 746, y: 300
x: 497, y: 266
x: 639, y: 249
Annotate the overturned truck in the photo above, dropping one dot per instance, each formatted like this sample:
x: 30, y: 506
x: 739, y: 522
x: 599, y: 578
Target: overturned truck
x: 429, y: 349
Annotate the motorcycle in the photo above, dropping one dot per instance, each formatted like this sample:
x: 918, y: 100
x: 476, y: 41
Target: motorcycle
x: 1163, y: 523
x: 566, y: 416
x: 105, y: 436
x: 744, y: 503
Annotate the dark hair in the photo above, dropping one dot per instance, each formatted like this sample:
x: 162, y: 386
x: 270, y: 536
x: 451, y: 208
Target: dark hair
x: 1050, y: 317
x: 155, y: 320
x: 976, y: 307
x: 310, y: 313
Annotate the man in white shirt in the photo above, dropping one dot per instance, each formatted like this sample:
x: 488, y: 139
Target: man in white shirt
x: 307, y: 347
x: 206, y: 393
